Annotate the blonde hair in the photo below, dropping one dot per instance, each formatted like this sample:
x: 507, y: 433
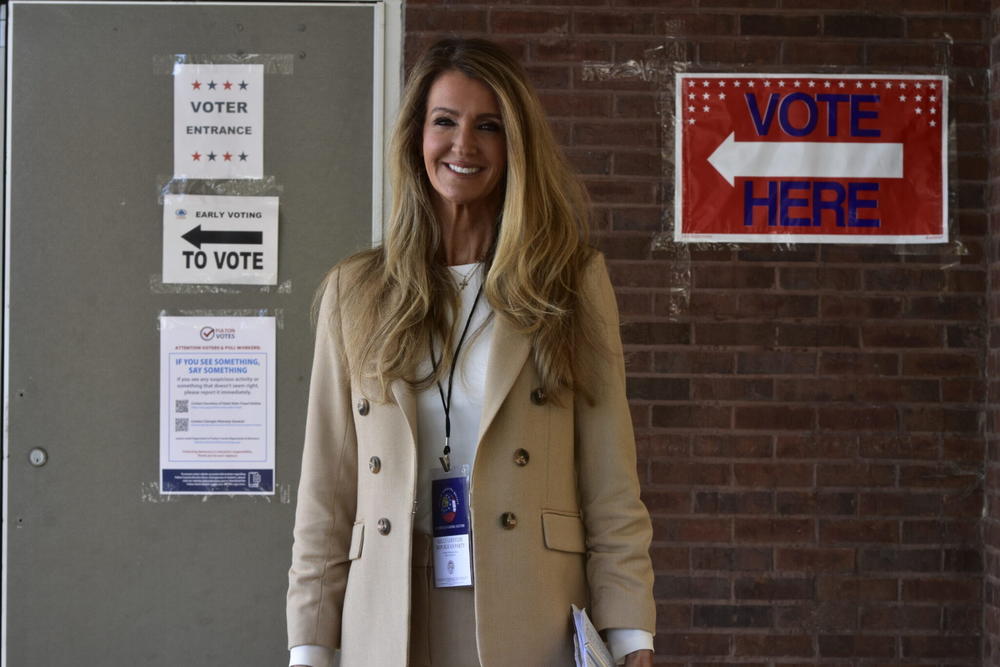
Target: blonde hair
x: 403, y: 294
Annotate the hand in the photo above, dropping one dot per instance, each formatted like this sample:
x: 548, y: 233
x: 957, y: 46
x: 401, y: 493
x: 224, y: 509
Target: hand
x: 643, y: 658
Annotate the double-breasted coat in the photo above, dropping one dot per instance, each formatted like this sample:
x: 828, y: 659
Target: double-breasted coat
x: 580, y: 534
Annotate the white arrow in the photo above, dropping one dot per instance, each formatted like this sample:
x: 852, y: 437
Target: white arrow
x: 806, y: 159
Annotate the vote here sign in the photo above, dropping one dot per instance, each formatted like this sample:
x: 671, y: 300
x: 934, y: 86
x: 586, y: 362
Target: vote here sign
x: 811, y: 158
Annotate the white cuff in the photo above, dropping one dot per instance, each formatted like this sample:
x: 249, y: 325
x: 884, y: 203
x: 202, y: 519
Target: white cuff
x: 311, y: 656
x: 625, y: 640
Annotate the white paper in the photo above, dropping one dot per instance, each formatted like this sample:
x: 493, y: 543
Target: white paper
x: 218, y: 121
x: 217, y: 399
x: 588, y: 647
x: 214, y: 239
x: 452, y: 563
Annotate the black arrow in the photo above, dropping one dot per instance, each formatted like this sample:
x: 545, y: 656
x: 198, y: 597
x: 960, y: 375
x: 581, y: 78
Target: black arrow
x: 196, y: 237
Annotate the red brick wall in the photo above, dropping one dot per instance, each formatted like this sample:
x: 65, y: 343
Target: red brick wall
x: 991, y: 519
x: 810, y: 420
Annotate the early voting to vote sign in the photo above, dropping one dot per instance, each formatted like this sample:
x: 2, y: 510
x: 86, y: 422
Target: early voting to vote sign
x: 820, y: 158
x: 218, y: 121
x: 220, y: 239
x: 217, y: 405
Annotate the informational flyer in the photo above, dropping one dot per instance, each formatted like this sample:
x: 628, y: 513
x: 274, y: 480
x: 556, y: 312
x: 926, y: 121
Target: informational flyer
x: 211, y: 239
x: 218, y: 121
x: 217, y: 400
x: 811, y: 158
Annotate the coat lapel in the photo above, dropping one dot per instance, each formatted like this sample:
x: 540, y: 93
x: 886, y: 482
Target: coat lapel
x: 407, y: 402
x: 508, y: 354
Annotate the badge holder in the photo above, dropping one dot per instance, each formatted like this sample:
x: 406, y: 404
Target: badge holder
x: 452, y: 527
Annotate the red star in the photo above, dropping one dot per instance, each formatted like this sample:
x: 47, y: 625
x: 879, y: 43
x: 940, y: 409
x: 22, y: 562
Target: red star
x: 227, y: 85
x: 196, y: 155
x: 227, y: 156
x: 196, y: 85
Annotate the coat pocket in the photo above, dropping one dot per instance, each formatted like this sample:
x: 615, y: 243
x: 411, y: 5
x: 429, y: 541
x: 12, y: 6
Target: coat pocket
x: 564, y: 531
x: 357, y: 540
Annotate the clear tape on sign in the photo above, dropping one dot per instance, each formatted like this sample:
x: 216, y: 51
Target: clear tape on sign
x: 274, y: 63
x: 654, y: 70
x: 157, y: 286
x: 149, y: 492
x: 244, y: 187
x: 277, y: 313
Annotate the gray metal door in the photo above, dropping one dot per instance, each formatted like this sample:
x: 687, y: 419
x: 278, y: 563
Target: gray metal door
x: 100, y: 568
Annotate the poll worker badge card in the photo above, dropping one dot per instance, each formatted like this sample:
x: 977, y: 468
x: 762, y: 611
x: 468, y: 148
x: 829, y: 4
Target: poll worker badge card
x: 811, y: 158
x: 452, y: 530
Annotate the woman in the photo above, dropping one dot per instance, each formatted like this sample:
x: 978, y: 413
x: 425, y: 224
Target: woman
x: 482, y: 333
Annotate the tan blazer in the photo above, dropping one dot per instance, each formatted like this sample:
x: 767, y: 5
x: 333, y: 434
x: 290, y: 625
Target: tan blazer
x: 581, y: 535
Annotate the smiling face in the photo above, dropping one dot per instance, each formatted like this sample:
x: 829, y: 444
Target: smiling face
x: 464, y: 147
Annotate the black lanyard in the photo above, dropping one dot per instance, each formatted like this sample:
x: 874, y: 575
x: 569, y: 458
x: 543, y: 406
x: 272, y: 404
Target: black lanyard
x: 445, y: 459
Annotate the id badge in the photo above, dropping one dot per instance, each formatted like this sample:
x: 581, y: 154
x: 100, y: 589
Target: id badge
x: 452, y: 530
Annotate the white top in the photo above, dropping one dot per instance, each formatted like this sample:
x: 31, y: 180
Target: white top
x: 467, y: 393
x: 468, y: 390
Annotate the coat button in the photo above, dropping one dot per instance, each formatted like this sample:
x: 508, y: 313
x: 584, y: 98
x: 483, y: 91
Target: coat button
x: 375, y: 465
x: 538, y: 396
x: 363, y: 407
x: 384, y: 526
x: 508, y: 520
x: 521, y: 457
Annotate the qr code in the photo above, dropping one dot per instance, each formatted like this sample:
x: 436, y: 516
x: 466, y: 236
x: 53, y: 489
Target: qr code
x: 181, y: 424
x: 181, y: 406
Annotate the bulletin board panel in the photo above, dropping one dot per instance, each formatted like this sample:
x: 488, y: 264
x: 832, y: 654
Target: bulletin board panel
x: 100, y: 568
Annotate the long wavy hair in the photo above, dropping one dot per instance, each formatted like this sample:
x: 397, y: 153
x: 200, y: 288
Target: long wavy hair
x: 403, y: 295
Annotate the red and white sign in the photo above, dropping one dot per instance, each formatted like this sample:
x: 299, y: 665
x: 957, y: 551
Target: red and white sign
x: 811, y: 158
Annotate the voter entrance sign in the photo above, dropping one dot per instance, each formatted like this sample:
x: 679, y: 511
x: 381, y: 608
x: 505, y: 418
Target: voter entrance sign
x: 797, y: 158
x: 218, y: 121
